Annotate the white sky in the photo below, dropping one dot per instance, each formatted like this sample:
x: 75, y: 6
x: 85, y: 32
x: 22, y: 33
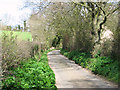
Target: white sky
x: 11, y: 13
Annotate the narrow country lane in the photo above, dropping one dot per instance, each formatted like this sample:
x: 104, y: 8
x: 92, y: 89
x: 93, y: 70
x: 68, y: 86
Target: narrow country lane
x: 70, y: 75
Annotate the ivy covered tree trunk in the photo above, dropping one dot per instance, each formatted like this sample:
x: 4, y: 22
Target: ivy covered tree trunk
x: 118, y: 35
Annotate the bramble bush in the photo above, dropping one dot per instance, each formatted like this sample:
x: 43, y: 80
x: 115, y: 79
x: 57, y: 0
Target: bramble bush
x: 9, y: 51
x: 31, y: 74
x: 100, y: 65
x: 14, y: 50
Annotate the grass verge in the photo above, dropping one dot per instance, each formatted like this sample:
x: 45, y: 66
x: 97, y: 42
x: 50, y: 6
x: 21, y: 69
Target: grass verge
x: 31, y: 74
x: 20, y: 35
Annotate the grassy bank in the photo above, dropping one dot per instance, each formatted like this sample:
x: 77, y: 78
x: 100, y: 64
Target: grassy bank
x: 100, y: 65
x: 31, y: 74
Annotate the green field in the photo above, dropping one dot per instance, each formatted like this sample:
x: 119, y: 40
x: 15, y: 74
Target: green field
x: 20, y: 35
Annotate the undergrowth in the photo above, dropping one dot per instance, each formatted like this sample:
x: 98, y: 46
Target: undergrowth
x: 100, y: 65
x: 31, y: 74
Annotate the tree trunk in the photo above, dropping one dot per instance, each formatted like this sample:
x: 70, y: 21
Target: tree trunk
x: 118, y: 34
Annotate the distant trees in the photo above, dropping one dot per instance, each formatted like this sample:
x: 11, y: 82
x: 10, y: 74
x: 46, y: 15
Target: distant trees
x: 9, y: 28
x: 25, y: 26
x: 18, y: 27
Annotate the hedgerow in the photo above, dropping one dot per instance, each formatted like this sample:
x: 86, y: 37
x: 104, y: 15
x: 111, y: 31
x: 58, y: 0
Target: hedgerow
x: 31, y: 74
